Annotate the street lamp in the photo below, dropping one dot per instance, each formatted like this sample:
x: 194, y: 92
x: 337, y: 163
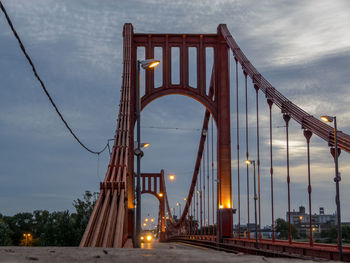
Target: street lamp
x: 336, y: 180
x: 255, y: 199
x: 147, y: 65
x: 27, y: 237
x: 179, y: 205
x: 171, y: 177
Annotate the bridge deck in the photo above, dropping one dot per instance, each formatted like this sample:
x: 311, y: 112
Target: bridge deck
x: 155, y: 252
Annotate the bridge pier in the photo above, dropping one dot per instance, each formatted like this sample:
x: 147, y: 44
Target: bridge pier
x: 222, y: 95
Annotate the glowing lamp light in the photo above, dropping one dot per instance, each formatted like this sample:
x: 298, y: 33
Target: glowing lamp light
x: 160, y: 194
x: 145, y: 145
x: 300, y: 218
x: 149, y: 237
x: 221, y: 206
x: 327, y: 118
x: 142, y: 238
x: 154, y: 64
x: 144, y: 224
x: 146, y: 219
x: 149, y: 63
x: 152, y: 219
x: 250, y: 162
x: 171, y: 177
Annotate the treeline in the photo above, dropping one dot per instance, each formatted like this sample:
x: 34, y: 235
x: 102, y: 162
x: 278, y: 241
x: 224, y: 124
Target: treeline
x: 48, y: 228
x: 325, y: 236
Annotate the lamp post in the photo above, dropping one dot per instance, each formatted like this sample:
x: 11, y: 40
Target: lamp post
x: 336, y: 180
x: 179, y: 205
x: 173, y: 210
x: 255, y: 199
x: 146, y: 64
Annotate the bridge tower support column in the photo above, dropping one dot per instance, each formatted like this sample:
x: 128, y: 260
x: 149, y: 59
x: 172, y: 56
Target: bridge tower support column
x: 130, y: 180
x: 162, y: 237
x: 222, y: 95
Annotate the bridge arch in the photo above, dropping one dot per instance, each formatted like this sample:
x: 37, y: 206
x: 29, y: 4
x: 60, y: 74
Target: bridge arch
x: 188, y: 92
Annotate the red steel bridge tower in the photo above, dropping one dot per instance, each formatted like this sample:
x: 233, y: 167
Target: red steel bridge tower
x: 111, y: 223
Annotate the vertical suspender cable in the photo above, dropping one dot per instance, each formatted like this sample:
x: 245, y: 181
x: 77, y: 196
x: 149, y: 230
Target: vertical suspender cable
x: 246, y: 142
x: 286, y: 118
x: 208, y: 233
x: 308, y: 135
x: 258, y: 152
x: 190, y: 220
x: 270, y: 102
x: 195, y: 206
x: 200, y: 199
x: 203, y: 177
x: 192, y: 216
x: 238, y: 175
x: 212, y: 174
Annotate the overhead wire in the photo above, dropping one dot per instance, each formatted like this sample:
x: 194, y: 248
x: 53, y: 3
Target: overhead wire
x: 43, y: 85
x: 170, y: 128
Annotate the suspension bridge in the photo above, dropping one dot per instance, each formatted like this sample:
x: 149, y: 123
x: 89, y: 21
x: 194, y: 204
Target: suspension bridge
x: 207, y: 217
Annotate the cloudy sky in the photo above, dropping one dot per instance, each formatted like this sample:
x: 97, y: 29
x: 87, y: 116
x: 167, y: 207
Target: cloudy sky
x: 301, y: 47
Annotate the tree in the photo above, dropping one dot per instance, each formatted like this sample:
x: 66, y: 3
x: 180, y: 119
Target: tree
x: 19, y: 223
x: 84, y: 210
x: 5, y: 233
x: 48, y: 229
x: 64, y: 231
x: 330, y: 235
x: 43, y: 227
x: 282, y: 227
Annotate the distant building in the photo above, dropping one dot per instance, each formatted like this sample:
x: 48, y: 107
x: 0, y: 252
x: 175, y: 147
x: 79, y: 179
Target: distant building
x: 301, y: 221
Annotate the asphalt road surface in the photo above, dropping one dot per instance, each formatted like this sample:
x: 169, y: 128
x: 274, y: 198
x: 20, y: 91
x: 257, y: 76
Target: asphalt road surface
x: 150, y: 252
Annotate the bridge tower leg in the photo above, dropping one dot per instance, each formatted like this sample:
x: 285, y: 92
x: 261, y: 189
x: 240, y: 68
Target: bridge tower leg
x: 222, y: 95
x: 162, y: 237
x: 130, y: 180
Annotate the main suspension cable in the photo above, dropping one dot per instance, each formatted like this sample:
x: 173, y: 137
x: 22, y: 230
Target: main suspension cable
x: 43, y: 85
